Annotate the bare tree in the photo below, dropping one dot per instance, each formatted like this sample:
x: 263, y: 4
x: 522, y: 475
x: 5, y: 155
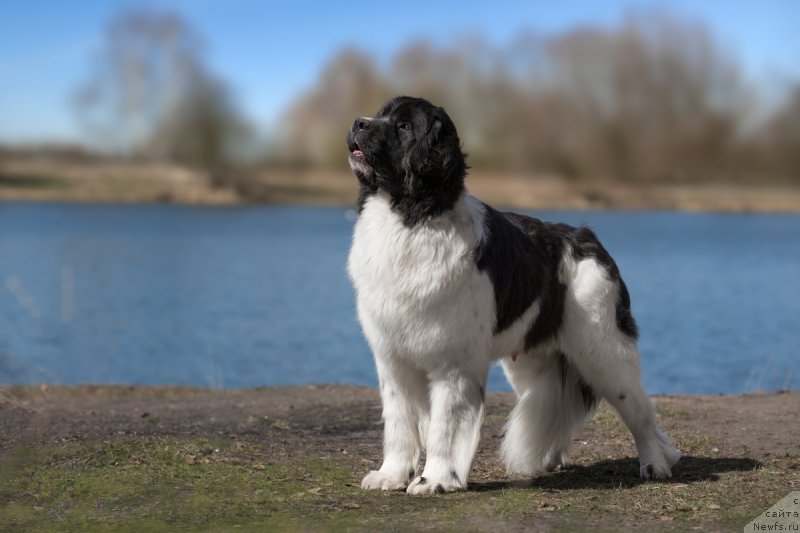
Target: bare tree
x: 150, y: 95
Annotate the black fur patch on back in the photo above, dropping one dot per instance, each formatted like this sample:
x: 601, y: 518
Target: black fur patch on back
x: 517, y: 268
x: 550, y: 238
x: 521, y: 255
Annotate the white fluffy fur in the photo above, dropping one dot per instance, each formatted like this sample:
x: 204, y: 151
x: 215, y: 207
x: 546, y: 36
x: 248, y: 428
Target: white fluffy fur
x: 428, y: 314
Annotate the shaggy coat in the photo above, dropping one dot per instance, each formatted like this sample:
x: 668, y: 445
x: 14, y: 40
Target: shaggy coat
x: 445, y: 285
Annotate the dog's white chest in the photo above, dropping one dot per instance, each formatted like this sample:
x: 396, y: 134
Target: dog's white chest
x: 417, y: 286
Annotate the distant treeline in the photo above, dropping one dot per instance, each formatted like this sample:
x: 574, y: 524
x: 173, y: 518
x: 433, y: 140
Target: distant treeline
x: 656, y: 99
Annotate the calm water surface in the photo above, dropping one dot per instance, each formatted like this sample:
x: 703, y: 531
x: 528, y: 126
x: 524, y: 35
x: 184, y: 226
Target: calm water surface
x: 241, y: 297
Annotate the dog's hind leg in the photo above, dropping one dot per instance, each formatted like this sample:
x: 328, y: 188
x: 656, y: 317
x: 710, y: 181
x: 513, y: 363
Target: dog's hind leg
x: 616, y: 376
x: 608, y: 359
x: 552, y: 404
x: 404, y: 394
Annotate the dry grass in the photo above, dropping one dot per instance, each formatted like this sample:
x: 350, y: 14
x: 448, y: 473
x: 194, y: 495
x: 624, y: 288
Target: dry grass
x: 47, y: 180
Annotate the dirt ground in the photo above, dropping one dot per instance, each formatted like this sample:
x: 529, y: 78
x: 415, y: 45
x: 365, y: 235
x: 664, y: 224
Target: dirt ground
x: 741, y: 455
x: 312, y: 419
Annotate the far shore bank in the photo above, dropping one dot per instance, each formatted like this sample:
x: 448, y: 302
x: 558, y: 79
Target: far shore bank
x: 115, y: 182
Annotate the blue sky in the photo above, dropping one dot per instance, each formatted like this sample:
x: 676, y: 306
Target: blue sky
x: 270, y: 51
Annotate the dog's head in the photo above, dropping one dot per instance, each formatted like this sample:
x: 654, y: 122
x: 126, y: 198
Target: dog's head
x: 411, y: 150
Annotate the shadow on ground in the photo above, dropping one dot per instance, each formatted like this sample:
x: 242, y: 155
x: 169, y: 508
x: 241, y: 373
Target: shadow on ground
x: 624, y: 473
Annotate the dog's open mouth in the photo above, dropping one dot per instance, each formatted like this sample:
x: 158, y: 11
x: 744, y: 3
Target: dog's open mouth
x: 358, y: 162
x: 355, y: 149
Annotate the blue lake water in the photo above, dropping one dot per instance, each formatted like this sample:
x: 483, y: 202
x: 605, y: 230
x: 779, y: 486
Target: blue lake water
x: 250, y: 296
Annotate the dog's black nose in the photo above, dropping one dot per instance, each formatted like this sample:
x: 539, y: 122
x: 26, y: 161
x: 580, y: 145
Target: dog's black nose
x: 361, y: 123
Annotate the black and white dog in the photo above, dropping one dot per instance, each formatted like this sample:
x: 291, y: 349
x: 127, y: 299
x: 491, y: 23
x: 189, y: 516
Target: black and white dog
x: 445, y: 285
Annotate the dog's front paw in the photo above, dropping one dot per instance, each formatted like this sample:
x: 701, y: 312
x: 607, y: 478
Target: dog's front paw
x: 378, y: 480
x: 424, y: 485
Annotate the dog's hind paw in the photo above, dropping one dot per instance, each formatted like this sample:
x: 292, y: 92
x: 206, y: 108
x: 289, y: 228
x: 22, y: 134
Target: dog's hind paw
x: 655, y: 471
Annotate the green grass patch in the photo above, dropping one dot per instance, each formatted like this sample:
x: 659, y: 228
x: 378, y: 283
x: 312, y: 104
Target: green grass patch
x: 201, y: 484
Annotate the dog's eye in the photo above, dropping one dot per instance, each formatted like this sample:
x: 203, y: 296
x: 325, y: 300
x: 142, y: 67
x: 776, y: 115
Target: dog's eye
x: 404, y: 126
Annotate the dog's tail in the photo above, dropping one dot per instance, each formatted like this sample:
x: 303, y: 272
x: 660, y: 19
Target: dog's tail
x: 554, y: 402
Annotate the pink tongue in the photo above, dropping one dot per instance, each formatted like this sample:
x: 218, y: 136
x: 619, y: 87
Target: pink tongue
x: 357, y: 152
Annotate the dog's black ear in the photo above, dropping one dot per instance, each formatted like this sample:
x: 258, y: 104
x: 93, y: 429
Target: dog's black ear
x: 436, y: 161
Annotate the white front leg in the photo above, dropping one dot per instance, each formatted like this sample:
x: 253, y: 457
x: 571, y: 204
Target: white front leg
x: 404, y: 393
x: 457, y: 398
